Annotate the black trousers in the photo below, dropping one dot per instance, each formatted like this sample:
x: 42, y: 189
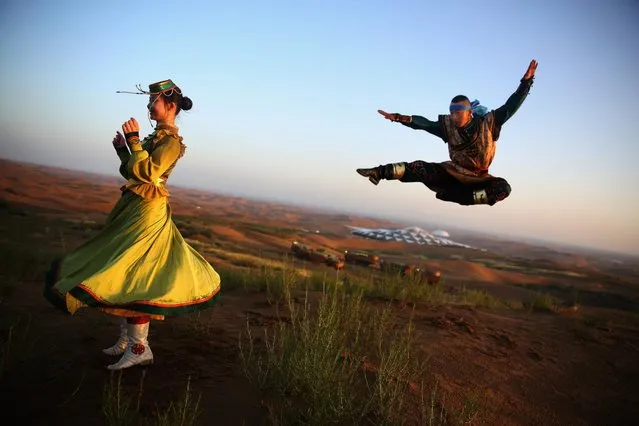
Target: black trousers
x: 447, y: 188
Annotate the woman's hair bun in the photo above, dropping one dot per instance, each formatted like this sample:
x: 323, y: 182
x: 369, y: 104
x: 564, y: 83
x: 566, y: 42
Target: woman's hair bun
x: 186, y: 103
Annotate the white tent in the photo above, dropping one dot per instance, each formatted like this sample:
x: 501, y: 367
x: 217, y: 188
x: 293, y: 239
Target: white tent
x: 410, y: 235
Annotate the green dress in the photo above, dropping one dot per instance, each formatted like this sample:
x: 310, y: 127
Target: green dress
x: 139, y: 264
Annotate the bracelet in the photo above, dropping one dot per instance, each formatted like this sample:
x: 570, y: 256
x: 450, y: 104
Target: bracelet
x: 131, y: 135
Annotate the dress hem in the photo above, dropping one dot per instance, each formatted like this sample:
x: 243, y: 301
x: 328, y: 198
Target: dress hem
x: 85, y: 297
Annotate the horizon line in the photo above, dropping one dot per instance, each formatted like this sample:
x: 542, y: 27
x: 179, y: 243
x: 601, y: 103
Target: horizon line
x: 398, y: 221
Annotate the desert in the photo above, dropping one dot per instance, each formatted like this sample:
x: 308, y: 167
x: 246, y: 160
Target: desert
x: 512, y: 334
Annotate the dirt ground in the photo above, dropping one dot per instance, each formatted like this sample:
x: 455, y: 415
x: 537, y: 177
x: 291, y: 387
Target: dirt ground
x: 564, y: 367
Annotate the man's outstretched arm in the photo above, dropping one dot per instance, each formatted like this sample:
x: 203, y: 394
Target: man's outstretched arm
x: 416, y: 122
x: 504, y: 112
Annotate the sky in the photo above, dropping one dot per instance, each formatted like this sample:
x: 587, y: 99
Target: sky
x: 285, y: 98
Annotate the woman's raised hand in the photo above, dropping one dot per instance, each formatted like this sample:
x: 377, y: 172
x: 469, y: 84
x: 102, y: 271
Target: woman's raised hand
x: 131, y: 126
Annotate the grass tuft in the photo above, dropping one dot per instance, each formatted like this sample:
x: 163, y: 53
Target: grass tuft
x: 184, y: 412
x: 122, y: 408
x: 17, y: 348
x: 339, y: 360
x: 540, y: 302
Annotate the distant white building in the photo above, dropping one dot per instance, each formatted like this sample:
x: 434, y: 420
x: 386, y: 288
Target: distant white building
x: 411, y: 235
x: 441, y: 233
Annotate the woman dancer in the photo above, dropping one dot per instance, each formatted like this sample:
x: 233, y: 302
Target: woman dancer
x: 139, y: 267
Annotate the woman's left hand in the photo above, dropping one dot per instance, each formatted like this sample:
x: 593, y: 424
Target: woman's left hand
x: 118, y: 140
x: 131, y: 126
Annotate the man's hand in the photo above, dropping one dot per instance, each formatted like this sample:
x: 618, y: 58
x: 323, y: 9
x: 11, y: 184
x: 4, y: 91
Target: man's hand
x: 131, y: 126
x: 395, y: 117
x: 530, y: 73
x: 118, y: 140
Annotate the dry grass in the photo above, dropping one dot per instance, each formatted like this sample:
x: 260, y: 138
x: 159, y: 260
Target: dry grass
x: 122, y: 407
x: 339, y: 360
x: 540, y: 302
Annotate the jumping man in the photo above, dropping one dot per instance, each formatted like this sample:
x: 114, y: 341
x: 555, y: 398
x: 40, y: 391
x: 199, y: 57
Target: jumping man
x: 470, y: 132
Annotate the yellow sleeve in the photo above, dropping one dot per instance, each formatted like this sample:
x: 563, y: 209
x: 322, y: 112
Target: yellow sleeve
x: 148, y: 168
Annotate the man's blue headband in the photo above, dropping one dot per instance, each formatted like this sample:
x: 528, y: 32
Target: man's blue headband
x: 477, y: 108
x: 459, y: 107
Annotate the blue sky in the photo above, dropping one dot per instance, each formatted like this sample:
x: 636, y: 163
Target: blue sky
x: 286, y: 92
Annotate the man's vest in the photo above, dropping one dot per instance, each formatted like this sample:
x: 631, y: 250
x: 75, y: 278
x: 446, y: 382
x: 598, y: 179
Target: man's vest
x: 470, y: 160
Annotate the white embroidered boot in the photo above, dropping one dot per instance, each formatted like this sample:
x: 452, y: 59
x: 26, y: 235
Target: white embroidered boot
x: 137, y: 351
x: 120, y: 345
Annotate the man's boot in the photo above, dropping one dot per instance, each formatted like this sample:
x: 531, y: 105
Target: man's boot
x: 121, y: 344
x: 386, y: 171
x: 138, y: 351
